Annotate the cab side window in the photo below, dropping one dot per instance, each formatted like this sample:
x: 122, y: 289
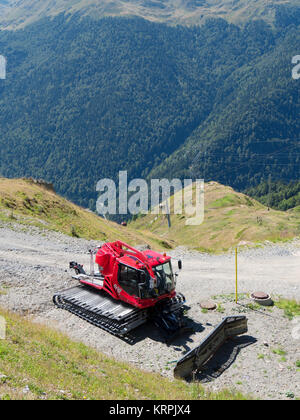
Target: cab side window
x: 129, y: 280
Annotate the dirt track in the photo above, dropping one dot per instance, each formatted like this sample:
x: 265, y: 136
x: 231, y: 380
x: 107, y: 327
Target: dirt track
x: 33, y: 266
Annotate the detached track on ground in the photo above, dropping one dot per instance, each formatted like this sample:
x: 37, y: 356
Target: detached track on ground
x: 33, y: 267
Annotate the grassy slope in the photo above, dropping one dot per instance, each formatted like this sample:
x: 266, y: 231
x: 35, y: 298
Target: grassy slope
x: 24, y: 202
x: 39, y: 363
x: 231, y: 218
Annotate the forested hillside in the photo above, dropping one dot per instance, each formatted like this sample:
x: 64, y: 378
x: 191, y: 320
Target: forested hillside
x: 278, y: 195
x: 84, y: 99
x: 253, y: 129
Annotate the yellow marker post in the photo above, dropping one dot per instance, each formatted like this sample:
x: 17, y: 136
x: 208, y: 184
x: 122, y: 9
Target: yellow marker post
x: 236, y: 277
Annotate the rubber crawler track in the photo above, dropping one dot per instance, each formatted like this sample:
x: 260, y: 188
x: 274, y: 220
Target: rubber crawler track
x: 116, y: 327
x: 113, y: 327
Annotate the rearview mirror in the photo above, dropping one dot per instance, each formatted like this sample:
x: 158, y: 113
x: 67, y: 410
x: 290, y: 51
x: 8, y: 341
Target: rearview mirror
x: 179, y: 264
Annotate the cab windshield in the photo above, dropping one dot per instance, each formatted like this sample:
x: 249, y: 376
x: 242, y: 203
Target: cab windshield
x: 164, y: 276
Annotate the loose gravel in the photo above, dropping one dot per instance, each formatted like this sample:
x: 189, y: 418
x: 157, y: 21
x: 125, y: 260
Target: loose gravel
x: 263, y: 363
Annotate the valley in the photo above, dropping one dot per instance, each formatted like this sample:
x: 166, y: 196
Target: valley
x: 148, y: 96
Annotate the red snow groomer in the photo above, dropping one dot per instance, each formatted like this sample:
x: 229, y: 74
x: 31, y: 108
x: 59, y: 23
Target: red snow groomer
x: 129, y: 287
x: 138, y: 286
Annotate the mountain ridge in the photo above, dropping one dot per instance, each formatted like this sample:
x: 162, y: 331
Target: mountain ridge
x: 16, y: 14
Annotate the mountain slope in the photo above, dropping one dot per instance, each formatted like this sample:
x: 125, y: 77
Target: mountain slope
x: 29, y: 203
x: 253, y: 131
x: 84, y: 99
x: 20, y: 13
x: 230, y: 219
x: 277, y: 195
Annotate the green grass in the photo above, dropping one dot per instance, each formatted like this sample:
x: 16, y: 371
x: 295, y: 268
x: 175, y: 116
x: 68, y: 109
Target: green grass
x: 40, y: 363
x: 254, y: 306
x: 279, y: 352
x: 230, y: 297
x: 226, y: 201
x: 220, y: 309
x: 291, y: 308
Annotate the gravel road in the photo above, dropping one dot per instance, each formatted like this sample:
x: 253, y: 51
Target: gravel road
x: 33, y: 266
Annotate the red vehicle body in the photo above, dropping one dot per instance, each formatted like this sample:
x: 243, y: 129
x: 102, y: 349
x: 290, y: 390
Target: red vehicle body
x: 139, y: 278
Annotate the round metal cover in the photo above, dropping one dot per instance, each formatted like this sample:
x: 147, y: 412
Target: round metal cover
x: 260, y: 295
x: 208, y: 304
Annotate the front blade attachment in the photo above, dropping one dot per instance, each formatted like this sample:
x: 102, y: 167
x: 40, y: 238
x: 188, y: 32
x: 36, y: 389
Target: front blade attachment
x: 195, y: 359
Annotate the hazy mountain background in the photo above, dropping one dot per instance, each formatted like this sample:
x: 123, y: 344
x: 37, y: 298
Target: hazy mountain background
x: 85, y: 97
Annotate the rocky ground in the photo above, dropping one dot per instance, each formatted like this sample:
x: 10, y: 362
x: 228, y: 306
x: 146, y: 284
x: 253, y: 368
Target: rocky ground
x: 262, y: 363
